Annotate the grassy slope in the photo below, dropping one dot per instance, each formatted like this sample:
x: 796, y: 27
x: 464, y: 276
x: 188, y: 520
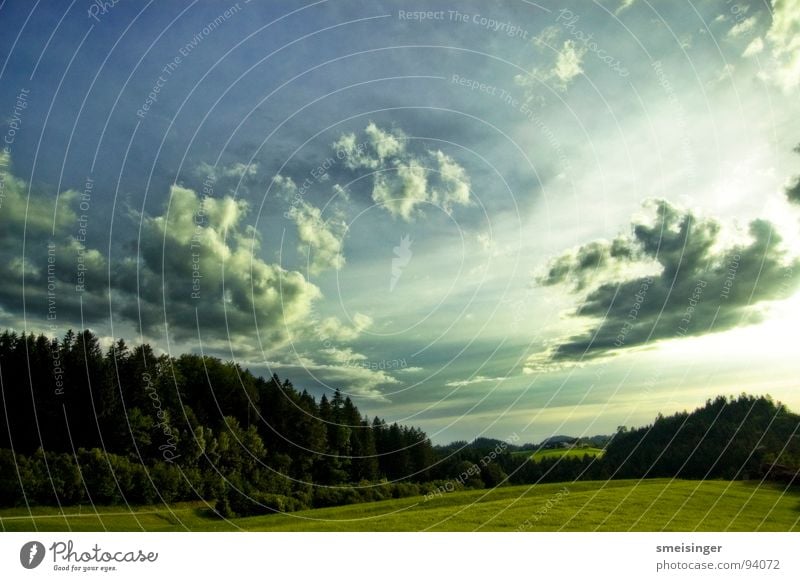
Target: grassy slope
x: 612, y: 506
x: 562, y: 452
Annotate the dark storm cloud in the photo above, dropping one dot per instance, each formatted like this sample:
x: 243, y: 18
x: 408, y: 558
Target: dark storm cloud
x: 793, y: 191
x: 43, y: 255
x: 578, y: 268
x: 693, y: 286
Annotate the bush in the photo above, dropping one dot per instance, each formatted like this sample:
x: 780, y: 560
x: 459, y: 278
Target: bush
x: 438, y: 487
x: 268, y: 503
x: 335, y: 496
x: 97, y: 476
x: 142, y: 490
x: 10, y: 489
x: 167, y: 481
x: 404, y: 489
x: 66, y: 479
x: 223, y: 508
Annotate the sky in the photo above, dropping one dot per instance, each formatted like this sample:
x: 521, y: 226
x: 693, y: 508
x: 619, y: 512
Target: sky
x: 500, y: 219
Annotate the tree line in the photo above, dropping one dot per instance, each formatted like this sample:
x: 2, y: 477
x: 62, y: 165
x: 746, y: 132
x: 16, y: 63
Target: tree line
x: 127, y: 426
x: 732, y: 438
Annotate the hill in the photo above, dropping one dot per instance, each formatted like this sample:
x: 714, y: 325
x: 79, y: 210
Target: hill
x: 731, y: 438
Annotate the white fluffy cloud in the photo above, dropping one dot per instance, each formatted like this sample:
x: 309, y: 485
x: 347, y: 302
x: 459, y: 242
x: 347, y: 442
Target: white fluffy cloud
x: 403, y: 190
x: 234, y: 170
x: 566, y: 65
x: 371, y: 151
x: 405, y: 181
x: 199, y: 262
x: 322, y: 238
x: 744, y: 27
x: 334, y: 329
x: 782, y: 68
x: 755, y: 47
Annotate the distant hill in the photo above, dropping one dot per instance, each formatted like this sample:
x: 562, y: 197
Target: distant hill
x: 491, y: 443
x: 557, y: 440
x: 598, y: 441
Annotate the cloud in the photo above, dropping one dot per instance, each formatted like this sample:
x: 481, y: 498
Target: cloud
x: 581, y: 266
x: 624, y: 5
x: 783, y: 38
x: 567, y: 64
x: 793, y: 190
x: 743, y: 27
x: 320, y: 238
x: 725, y: 73
x: 755, y: 47
x: 318, y: 349
x: 41, y: 218
x: 200, y: 262
x: 547, y: 37
x: 455, y: 182
x: 235, y: 178
x: 333, y: 328
x: 403, y: 190
x: 52, y: 260
x: 236, y: 170
x: 374, y: 149
x: 475, y: 380
x: 411, y: 370
x: 694, y: 286
x: 405, y: 181
x: 384, y: 144
x: 323, y: 239
x: 339, y: 368
x: 197, y: 263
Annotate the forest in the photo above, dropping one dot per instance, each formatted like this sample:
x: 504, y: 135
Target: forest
x: 127, y: 426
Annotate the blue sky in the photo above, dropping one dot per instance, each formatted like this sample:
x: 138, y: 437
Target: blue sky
x: 480, y: 218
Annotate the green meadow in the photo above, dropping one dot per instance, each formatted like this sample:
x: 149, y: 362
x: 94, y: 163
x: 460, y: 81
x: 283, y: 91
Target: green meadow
x: 543, y: 454
x: 618, y: 505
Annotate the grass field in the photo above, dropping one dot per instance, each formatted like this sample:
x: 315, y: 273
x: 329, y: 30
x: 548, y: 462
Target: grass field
x: 649, y: 505
x: 561, y: 453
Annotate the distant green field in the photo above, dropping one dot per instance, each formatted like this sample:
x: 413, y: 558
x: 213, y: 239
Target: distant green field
x: 561, y: 453
x: 620, y: 505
